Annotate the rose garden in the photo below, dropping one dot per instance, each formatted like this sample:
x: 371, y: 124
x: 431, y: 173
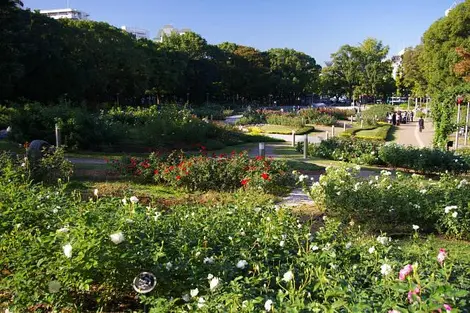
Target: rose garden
x: 168, y: 207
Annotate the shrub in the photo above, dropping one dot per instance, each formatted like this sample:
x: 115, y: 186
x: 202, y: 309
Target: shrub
x: 423, y: 160
x: 376, y: 113
x: 386, y: 203
x: 345, y: 149
x: 252, y: 117
x: 285, y: 119
x: 218, y: 172
x: 83, y: 256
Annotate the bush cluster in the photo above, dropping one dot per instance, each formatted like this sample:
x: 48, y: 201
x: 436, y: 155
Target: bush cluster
x: 285, y: 119
x: 214, y: 111
x: 63, y: 254
x: 353, y: 150
x: 361, y: 151
x: 223, y: 172
x: 422, y: 160
x: 120, y: 129
x: 387, y: 203
x: 376, y: 113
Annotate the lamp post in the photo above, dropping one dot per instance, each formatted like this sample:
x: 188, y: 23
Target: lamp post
x: 187, y: 98
x: 459, y: 102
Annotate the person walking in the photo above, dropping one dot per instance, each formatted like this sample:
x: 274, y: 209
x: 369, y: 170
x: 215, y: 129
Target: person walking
x: 421, y: 124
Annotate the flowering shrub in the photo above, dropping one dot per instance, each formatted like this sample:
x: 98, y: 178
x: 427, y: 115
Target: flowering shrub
x: 423, y: 160
x: 345, y: 149
x: 371, y: 152
x: 396, y: 203
x: 61, y: 254
x: 285, y: 119
x: 224, y: 172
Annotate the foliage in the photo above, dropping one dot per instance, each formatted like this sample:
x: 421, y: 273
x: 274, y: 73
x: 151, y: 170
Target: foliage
x: 285, y: 119
x: 83, y: 256
x: 376, y: 113
x: 122, y: 128
x: 444, y: 110
x: 355, y: 71
x: 252, y: 117
x: 439, y: 54
x: 284, y: 130
x: 345, y: 149
x: 5, y: 116
x: 379, y: 133
x: 94, y: 62
x: 423, y: 160
x: 386, y: 203
x: 214, y: 111
x: 217, y: 172
x: 49, y: 168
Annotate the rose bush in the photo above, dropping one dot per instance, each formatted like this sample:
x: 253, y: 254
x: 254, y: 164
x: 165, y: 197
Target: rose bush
x: 59, y: 253
x: 224, y: 172
x: 394, y: 203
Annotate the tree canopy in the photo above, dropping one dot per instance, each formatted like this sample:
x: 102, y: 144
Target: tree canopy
x: 93, y: 62
x: 358, y: 70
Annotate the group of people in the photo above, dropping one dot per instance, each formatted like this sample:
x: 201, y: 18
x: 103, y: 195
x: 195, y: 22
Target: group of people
x: 397, y: 118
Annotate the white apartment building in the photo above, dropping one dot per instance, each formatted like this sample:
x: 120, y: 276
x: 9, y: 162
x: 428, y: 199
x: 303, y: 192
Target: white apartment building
x: 139, y: 33
x: 66, y: 13
x: 167, y: 30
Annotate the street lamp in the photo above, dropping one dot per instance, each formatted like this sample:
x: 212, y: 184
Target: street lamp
x: 459, y: 102
x: 187, y: 98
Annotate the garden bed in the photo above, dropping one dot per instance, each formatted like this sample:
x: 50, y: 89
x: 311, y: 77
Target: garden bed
x: 286, y: 130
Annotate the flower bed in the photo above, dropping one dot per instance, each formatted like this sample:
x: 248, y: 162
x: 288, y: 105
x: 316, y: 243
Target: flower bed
x: 385, y: 203
x: 225, y: 172
x: 373, y: 152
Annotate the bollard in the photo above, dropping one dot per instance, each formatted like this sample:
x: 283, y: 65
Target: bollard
x: 305, y: 145
x: 262, y: 151
x: 293, y: 138
x: 332, y: 130
x: 352, y: 117
x: 57, y: 136
x: 326, y: 135
x: 344, y: 125
x: 362, y: 124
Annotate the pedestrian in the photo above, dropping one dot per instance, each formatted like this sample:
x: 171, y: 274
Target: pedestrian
x: 412, y: 115
x: 394, y: 119
x: 421, y: 124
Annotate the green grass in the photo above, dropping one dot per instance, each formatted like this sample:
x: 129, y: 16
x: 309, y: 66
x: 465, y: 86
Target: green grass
x: 286, y: 130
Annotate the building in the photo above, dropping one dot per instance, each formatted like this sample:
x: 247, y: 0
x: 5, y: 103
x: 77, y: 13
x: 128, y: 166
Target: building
x: 66, y: 13
x: 396, y: 62
x: 167, y: 30
x: 139, y: 33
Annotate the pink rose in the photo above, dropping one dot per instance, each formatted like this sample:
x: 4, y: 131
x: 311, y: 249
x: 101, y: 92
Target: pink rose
x: 447, y: 307
x: 441, y: 256
x: 405, y: 271
x: 415, y: 293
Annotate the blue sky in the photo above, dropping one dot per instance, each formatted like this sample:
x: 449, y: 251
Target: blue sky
x: 316, y: 27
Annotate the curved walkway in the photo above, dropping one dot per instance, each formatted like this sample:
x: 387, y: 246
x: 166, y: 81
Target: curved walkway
x: 408, y: 134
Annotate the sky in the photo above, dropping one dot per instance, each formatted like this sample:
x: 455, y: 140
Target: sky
x: 315, y: 27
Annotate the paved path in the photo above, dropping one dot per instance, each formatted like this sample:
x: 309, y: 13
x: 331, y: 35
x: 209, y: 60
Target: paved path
x: 408, y: 134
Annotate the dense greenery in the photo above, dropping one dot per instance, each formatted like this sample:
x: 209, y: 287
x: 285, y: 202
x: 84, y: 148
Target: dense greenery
x: 59, y: 253
x: 223, y: 172
x: 395, y: 203
x: 357, y: 71
x: 379, y: 132
x: 121, y: 128
x: 366, y: 151
x: 94, y: 62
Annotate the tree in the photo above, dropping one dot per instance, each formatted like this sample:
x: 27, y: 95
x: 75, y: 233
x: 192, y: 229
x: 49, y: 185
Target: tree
x: 413, y: 72
x: 439, y: 54
x: 293, y: 73
x: 462, y: 68
x: 355, y: 71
